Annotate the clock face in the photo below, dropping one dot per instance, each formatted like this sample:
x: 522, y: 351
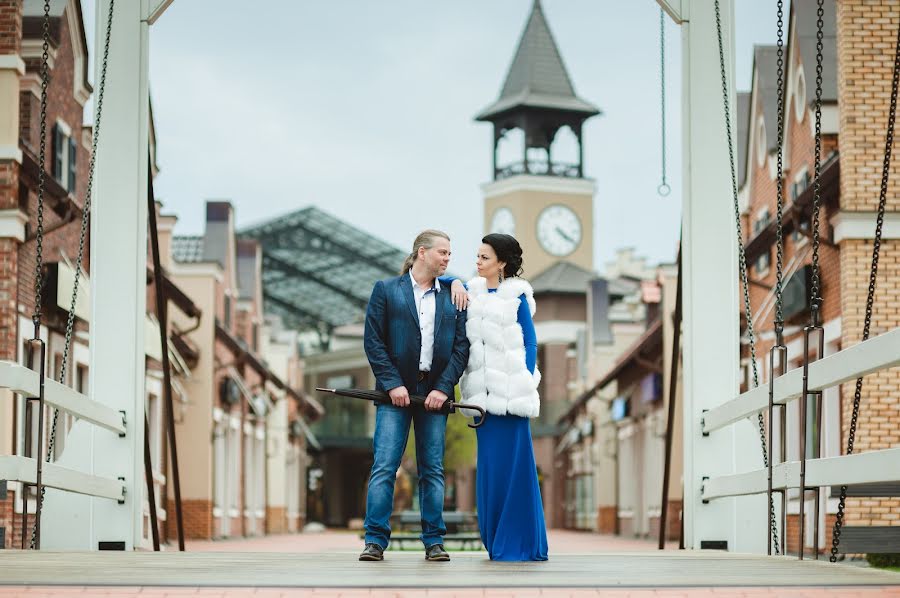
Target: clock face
x: 503, y: 222
x: 558, y: 230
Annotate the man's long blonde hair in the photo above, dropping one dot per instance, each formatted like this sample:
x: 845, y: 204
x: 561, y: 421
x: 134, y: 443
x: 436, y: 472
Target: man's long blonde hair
x: 425, y: 239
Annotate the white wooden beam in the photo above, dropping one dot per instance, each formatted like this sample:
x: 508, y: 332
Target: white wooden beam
x: 878, y: 353
x: 24, y: 469
x: 24, y: 381
x: 711, y: 318
x: 156, y: 8
x: 677, y: 9
x: 862, y: 468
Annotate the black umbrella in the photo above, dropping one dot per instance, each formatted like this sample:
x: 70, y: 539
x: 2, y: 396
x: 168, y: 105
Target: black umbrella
x: 378, y: 396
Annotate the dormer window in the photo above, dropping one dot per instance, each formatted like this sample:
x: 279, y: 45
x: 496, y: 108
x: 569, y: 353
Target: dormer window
x: 64, y: 168
x: 762, y: 221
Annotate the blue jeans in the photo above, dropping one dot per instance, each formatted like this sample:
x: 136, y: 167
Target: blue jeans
x: 391, y: 433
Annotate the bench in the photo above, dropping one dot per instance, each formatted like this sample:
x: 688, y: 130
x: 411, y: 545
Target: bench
x: 866, y: 539
x: 467, y: 540
x: 471, y: 541
x: 456, y: 521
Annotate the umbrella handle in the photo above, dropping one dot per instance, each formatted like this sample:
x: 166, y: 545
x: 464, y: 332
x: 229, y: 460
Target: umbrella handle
x: 475, y: 422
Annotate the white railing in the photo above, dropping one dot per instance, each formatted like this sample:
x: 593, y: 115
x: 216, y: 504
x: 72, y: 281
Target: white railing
x: 878, y: 353
x: 25, y: 382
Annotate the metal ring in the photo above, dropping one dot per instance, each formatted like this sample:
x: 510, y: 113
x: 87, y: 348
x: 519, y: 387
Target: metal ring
x: 663, y: 190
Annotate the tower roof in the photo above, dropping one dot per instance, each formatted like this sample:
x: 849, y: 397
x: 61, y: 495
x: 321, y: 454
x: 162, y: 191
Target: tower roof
x: 537, y: 77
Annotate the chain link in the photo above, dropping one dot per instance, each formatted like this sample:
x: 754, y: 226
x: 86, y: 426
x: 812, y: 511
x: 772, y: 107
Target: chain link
x: 85, y: 224
x: 779, y: 210
x: 815, y: 301
x: 664, y: 188
x: 742, y: 261
x: 42, y: 177
x: 870, y: 297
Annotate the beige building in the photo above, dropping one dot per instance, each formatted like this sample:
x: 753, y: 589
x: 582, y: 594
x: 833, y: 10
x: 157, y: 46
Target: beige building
x: 238, y: 407
x: 612, y: 444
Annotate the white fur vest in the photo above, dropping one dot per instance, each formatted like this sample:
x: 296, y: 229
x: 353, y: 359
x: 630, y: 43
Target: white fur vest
x: 496, y: 377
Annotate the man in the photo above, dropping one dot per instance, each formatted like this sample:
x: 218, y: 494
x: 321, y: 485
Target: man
x: 416, y: 343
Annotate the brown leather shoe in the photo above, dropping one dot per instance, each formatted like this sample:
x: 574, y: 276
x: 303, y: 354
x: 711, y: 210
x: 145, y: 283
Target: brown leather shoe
x: 372, y: 552
x: 436, y: 552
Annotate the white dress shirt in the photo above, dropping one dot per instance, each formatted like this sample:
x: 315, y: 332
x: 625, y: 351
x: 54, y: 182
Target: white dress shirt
x: 425, y: 301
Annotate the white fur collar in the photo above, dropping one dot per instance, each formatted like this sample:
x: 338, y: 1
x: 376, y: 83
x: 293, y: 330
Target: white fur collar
x: 511, y: 288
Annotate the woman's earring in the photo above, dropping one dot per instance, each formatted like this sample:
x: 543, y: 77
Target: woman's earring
x: 501, y: 275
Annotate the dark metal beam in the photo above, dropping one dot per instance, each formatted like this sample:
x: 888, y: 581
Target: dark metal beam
x: 295, y: 270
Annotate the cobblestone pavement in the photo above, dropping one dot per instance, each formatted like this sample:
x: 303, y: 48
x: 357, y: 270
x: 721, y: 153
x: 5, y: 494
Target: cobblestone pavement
x: 561, y: 542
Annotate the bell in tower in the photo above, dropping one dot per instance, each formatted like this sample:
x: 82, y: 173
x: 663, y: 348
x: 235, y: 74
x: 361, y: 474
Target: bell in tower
x: 538, y: 98
x: 545, y: 202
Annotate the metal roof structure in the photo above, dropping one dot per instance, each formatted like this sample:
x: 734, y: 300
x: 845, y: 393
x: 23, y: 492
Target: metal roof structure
x: 318, y: 271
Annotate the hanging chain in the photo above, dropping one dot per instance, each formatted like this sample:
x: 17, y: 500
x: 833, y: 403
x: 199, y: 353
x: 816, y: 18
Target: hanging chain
x: 815, y: 300
x: 85, y: 224
x: 870, y: 297
x: 742, y: 260
x: 664, y: 189
x: 779, y: 215
x: 39, y: 250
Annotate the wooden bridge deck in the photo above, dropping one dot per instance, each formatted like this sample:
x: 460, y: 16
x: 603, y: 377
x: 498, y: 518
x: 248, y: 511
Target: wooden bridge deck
x: 669, y: 569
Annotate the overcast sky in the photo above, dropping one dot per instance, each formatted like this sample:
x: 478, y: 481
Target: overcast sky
x: 365, y: 109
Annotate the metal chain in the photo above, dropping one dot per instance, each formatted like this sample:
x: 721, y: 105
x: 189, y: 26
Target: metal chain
x: 815, y: 301
x: 870, y: 297
x: 39, y: 251
x: 85, y: 224
x: 664, y: 189
x: 742, y: 260
x: 779, y: 210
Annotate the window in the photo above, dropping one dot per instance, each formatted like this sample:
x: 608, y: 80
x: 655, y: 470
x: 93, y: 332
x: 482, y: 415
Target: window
x: 800, y: 184
x: 762, y: 221
x: 800, y: 99
x: 762, y: 263
x: 65, y: 151
x: 227, y: 316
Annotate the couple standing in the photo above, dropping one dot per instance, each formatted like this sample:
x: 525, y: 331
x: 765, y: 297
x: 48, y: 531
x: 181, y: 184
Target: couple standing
x: 423, y: 331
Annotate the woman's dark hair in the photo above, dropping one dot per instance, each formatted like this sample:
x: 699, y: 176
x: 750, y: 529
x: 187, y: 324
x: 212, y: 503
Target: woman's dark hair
x: 508, y: 250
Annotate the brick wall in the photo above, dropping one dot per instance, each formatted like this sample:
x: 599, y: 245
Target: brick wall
x: 793, y: 535
x: 12, y: 521
x: 606, y: 520
x: 10, y: 26
x: 197, y: 518
x: 867, y: 33
x: 276, y: 520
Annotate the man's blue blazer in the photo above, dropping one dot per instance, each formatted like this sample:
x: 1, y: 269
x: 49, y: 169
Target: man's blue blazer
x: 393, y: 337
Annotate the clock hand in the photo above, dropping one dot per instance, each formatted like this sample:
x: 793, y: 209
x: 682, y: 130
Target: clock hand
x: 564, y: 235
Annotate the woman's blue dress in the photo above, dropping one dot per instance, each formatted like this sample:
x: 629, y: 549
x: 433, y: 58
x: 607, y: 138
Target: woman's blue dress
x: 510, y: 511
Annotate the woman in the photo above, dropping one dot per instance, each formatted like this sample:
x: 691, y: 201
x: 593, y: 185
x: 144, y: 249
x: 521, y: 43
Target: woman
x: 502, y: 378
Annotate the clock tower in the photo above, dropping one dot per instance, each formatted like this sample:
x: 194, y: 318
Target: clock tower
x: 547, y: 204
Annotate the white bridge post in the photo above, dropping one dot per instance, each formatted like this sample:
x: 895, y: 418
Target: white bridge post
x: 118, y: 294
x: 709, y: 258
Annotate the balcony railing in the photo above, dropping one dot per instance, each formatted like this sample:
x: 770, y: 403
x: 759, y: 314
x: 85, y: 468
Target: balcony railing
x: 539, y: 167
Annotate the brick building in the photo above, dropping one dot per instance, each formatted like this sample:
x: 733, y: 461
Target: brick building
x: 855, y: 98
x: 68, y: 151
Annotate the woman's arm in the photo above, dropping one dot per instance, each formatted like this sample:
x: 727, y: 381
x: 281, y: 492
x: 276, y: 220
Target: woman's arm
x: 528, y: 333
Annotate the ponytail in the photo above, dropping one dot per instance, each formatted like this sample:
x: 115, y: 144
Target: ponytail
x: 425, y: 239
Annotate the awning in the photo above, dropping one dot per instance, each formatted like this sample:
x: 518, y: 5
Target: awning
x: 652, y: 335
x: 238, y: 347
